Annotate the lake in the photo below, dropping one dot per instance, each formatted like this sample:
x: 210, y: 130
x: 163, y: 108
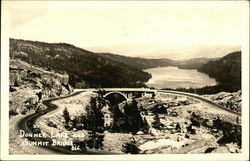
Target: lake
x: 173, y: 77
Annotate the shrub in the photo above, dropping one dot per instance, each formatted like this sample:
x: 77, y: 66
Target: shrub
x: 12, y: 89
x: 196, y: 120
x: 66, y: 115
x: 157, y: 124
x: 12, y: 112
x: 191, y: 130
x: 51, y: 124
x: 131, y: 148
x: 68, y: 127
x: 24, y: 111
x: 17, y: 81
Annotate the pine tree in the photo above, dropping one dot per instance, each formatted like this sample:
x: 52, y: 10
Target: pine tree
x: 17, y: 81
x: 66, y: 115
x: 146, y: 126
x: 157, y: 124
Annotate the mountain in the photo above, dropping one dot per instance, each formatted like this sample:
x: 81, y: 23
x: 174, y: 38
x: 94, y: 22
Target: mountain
x: 174, y: 52
x: 226, y: 71
x: 143, y: 63
x: 85, y: 68
x: 194, y: 63
x: 140, y: 63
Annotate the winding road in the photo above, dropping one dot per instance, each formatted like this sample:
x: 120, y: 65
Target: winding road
x: 23, y: 124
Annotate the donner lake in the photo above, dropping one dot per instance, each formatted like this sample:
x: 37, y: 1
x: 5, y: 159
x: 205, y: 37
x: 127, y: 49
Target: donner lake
x: 173, y: 77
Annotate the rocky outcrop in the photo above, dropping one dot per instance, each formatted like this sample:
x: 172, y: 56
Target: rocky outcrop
x: 162, y: 102
x: 30, y: 84
x: 187, y: 128
x: 231, y: 101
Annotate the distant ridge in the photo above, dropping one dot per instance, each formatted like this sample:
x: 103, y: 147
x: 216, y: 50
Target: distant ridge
x: 177, y: 52
x: 140, y: 63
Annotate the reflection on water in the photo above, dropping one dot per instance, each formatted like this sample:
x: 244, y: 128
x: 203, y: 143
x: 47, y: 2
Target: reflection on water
x: 173, y: 77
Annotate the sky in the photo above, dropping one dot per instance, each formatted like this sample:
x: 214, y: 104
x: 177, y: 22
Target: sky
x: 133, y: 28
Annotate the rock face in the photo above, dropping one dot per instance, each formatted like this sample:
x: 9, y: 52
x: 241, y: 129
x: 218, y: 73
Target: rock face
x: 231, y: 101
x: 30, y: 84
x: 18, y: 102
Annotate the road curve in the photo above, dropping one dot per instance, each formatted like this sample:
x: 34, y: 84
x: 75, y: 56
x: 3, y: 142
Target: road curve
x: 22, y: 124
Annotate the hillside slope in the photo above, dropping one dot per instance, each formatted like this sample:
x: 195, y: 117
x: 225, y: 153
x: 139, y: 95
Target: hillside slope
x: 85, y: 68
x: 143, y: 63
x: 226, y: 71
x: 194, y: 63
x: 140, y: 63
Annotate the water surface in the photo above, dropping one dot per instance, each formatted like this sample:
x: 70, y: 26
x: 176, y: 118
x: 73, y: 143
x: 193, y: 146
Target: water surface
x: 173, y: 77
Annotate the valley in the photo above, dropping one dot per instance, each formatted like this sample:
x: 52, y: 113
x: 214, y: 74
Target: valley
x: 87, y: 69
x: 56, y: 90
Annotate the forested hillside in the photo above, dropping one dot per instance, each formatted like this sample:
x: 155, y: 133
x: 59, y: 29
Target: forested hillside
x: 140, y: 63
x: 85, y: 68
x: 194, y: 63
x: 226, y: 71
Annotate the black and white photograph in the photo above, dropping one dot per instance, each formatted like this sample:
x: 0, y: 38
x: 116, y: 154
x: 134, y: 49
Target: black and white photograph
x: 125, y: 80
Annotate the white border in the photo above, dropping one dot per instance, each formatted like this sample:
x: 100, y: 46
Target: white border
x: 5, y: 104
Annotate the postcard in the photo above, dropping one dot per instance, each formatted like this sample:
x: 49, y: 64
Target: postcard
x: 125, y: 80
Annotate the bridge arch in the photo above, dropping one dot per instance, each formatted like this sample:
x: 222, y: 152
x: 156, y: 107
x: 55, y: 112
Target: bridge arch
x: 120, y: 93
x: 115, y: 97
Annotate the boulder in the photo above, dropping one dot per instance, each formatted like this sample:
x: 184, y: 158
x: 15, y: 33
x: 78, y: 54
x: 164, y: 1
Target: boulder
x: 221, y: 149
x: 140, y: 133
